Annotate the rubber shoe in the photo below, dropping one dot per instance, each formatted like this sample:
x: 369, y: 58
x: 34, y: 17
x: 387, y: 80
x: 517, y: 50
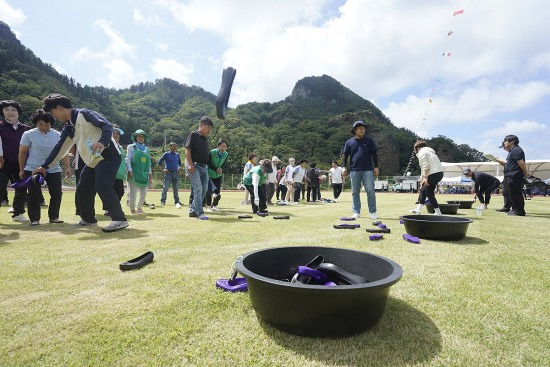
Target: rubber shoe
x: 20, y: 218
x: 178, y: 206
x: 115, y: 225
x: 83, y: 223
x: 356, y: 215
x: 373, y: 216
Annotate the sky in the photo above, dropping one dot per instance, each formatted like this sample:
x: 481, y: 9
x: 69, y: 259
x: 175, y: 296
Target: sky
x: 471, y: 70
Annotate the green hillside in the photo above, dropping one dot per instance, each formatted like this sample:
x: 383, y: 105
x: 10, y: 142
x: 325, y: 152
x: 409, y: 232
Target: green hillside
x: 312, y: 123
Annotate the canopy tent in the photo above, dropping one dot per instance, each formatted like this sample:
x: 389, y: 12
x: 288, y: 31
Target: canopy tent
x: 537, y: 168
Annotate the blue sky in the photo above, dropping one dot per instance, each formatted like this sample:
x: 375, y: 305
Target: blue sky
x: 495, y: 82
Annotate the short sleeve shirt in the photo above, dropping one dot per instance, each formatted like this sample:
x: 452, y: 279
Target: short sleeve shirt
x: 336, y: 175
x: 40, y: 146
x: 200, y: 153
x: 512, y: 168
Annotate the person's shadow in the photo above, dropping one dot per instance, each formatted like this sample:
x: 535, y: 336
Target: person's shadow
x: 403, y: 336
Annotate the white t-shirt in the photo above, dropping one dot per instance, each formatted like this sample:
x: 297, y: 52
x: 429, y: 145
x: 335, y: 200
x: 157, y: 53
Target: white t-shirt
x: 288, y: 173
x: 299, y: 173
x: 336, y: 175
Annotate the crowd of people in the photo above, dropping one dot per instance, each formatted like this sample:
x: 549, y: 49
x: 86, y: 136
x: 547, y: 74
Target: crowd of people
x: 102, y: 166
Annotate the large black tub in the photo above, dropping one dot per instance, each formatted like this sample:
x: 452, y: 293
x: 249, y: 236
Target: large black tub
x: 462, y: 204
x: 445, y: 208
x: 436, y: 227
x: 318, y: 310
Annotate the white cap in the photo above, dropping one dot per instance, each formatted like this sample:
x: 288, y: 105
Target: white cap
x: 275, y: 159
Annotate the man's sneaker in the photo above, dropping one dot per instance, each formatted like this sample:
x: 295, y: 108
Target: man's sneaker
x: 335, y: 200
x: 482, y: 207
x: 106, y: 212
x: 57, y: 220
x: 178, y: 205
x: 192, y: 215
x: 4, y: 203
x: 10, y: 210
x: 35, y: 223
x: 162, y: 203
x: 513, y: 213
x: 373, y: 216
x: 203, y: 217
x: 502, y: 210
x: 356, y: 215
x: 20, y: 218
x: 415, y: 211
x: 215, y: 208
x: 115, y: 225
x: 83, y: 223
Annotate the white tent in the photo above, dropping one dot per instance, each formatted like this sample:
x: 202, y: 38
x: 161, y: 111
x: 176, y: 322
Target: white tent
x: 537, y: 168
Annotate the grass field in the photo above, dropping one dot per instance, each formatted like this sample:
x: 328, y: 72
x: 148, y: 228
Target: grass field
x: 482, y: 301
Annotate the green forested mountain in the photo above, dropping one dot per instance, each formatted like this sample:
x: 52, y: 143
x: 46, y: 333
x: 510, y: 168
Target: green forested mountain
x: 312, y: 123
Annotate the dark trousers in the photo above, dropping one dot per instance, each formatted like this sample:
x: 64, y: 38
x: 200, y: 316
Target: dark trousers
x: 118, y: 186
x: 505, y: 196
x: 514, y: 186
x: 312, y: 190
x: 10, y: 172
x: 428, y: 191
x: 261, y: 194
x: 281, y: 192
x: 99, y: 180
x: 336, y: 189
x: 487, y: 191
x: 269, y: 191
x: 297, y: 191
x: 35, y: 197
x: 218, y: 184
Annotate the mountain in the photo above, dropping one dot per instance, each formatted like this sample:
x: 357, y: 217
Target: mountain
x: 312, y: 123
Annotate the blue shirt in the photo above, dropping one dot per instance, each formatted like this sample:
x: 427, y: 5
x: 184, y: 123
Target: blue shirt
x: 40, y: 146
x: 362, y: 153
x: 171, y: 161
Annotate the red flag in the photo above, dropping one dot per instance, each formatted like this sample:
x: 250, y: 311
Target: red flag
x: 458, y: 12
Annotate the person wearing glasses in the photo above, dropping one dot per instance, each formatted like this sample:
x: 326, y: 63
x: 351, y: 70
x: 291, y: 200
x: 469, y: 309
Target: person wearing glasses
x: 35, y: 146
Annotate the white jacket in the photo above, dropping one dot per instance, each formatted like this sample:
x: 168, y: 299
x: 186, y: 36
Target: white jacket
x: 429, y: 161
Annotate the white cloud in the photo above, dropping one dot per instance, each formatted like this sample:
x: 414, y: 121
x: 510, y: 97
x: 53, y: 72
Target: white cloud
x: 518, y: 128
x: 147, y: 21
x: 162, y: 46
x: 10, y: 15
x: 120, y: 74
x: 172, y: 69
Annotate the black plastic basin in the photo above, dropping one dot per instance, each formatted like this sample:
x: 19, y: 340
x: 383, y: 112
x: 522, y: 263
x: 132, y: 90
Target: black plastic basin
x: 436, y: 227
x: 463, y: 204
x: 445, y: 208
x: 318, y: 310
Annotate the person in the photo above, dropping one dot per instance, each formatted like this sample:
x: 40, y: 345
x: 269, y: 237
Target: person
x: 197, y: 156
x: 138, y: 163
x: 170, y: 162
x: 298, y: 176
x: 289, y: 180
x: 281, y: 184
x: 35, y: 146
x: 431, y: 174
x: 312, y: 179
x: 335, y: 179
x: 252, y: 161
x: 93, y: 136
x: 254, y: 181
x: 364, y: 167
x: 218, y: 157
x: 484, y: 185
x: 11, y: 131
x: 271, y: 181
x: 515, y: 170
x: 122, y: 173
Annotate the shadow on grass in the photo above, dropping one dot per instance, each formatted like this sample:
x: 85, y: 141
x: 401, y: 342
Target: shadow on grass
x: 468, y: 240
x: 123, y: 234
x: 404, y: 336
x: 539, y: 215
x: 7, y: 238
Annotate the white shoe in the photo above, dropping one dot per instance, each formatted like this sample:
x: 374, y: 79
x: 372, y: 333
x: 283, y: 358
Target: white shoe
x: 3, y: 203
x: 10, y: 210
x: 83, y: 223
x: 483, y: 207
x: 437, y: 211
x: 415, y: 211
x: 35, y: 223
x: 209, y: 209
x: 115, y: 225
x: 163, y: 203
x: 373, y: 216
x: 356, y: 215
x: 178, y: 205
x: 215, y: 208
x: 335, y: 200
x: 20, y: 218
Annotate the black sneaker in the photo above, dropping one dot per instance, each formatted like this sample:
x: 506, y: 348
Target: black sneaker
x: 503, y: 210
x: 516, y: 214
x: 193, y: 215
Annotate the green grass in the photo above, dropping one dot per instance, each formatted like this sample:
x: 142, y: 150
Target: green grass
x: 482, y: 301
